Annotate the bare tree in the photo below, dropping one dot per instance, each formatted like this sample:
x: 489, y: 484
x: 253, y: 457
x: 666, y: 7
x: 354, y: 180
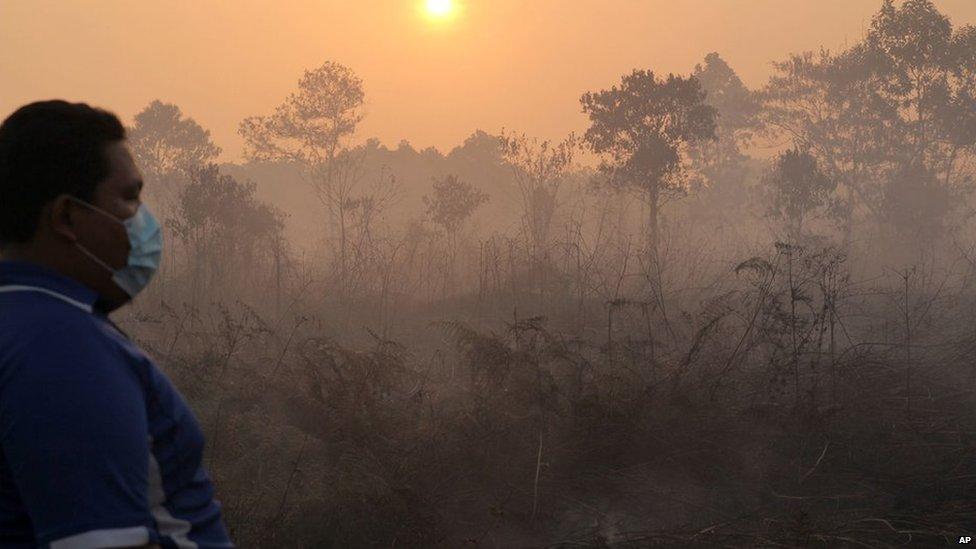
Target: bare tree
x: 540, y: 169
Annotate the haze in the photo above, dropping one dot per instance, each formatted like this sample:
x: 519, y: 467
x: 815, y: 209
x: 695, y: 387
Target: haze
x: 501, y: 63
x: 539, y: 273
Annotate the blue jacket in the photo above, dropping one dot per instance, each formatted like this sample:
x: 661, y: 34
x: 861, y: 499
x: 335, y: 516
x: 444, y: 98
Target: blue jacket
x: 98, y: 448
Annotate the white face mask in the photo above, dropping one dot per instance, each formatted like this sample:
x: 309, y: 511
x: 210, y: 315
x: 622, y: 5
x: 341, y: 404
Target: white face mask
x: 145, y: 252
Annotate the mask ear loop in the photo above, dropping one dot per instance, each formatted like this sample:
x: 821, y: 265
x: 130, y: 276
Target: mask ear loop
x: 85, y: 250
x: 94, y: 258
x: 97, y: 209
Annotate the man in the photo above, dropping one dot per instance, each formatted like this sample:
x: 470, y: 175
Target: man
x: 98, y: 448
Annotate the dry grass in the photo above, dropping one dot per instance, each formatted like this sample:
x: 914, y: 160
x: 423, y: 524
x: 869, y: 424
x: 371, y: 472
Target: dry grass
x: 774, y: 415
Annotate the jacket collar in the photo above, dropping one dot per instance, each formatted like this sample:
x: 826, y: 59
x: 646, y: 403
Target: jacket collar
x: 22, y: 273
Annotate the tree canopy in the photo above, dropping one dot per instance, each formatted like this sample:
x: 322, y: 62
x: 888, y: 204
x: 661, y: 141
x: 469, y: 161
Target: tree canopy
x: 642, y: 127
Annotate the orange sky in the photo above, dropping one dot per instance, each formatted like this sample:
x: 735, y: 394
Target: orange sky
x: 517, y: 64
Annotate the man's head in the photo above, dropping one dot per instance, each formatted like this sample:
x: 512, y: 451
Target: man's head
x: 56, y: 157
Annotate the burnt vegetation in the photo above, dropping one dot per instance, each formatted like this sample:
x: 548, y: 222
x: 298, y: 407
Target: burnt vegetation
x: 748, y: 322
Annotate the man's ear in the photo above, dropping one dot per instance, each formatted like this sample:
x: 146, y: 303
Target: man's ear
x: 61, y: 215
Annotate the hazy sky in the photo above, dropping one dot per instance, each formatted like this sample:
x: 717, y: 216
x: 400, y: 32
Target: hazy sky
x: 517, y: 64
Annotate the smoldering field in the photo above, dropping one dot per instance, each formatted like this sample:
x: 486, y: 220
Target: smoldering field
x: 720, y: 317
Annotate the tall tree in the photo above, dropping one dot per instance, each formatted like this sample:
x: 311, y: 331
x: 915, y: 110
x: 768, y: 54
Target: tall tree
x: 737, y: 111
x: 901, y: 101
x: 168, y: 147
x: 641, y: 129
x: 928, y: 76
x: 830, y: 106
x: 540, y: 168
x: 312, y: 128
x: 721, y: 176
x: 450, y: 206
x: 228, y: 229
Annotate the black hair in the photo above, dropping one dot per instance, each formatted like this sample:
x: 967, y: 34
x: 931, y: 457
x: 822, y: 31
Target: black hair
x: 47, y: 149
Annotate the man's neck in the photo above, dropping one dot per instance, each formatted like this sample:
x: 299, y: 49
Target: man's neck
x: 26, y: 254
x: 30, y: 254
x: 61, y: 261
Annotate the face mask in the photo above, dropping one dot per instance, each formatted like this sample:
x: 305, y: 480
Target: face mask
x: 145, y: 252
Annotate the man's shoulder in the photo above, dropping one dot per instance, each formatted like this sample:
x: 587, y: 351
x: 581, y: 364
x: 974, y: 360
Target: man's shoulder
x: 39, y: 331
x: 30, y: 313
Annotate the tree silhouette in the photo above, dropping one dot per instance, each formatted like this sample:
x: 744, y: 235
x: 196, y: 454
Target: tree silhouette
x: 641, y: 127
x: 929, y: 82
x: 798, y: 188
x: 721, y: 169
x: 312, y: 128
x: 450, y: 206
x: 737, y: 111
x: 901, y: 101
x: 228, y: 229
x: 168, y: 147
x: 540, y: 168
x: 830, y: 106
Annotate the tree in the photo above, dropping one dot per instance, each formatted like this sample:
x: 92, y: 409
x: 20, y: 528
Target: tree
x: 798, y: 188
x: 929, y: 82
x: 900, y: 101
x: 917, y: 205
x: 829, y: 105
x: 540, y: 169
x: 721, y: 168
x: 912, y: 47
x: 479, y: 149
x: 450, y: 206
x: 641, y: 130
x: 737, y: 111
x: 377, y: 191
x: 227, y: 227
x: 168, y: 147
x: 312, y: 128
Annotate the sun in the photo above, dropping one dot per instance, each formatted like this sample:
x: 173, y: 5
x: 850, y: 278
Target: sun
x: 439, y: 9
